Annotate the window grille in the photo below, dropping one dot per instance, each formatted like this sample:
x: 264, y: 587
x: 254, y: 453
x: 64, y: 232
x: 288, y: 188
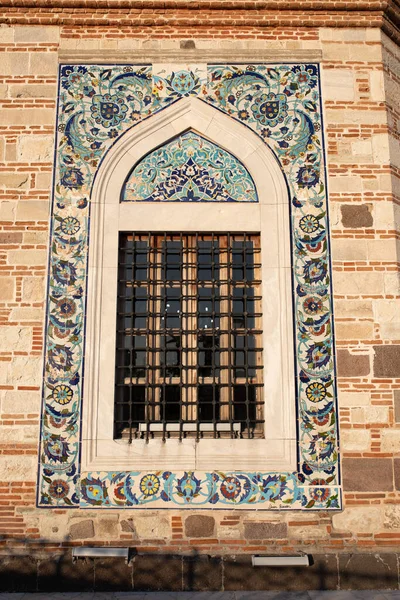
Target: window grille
x: 189, y: 354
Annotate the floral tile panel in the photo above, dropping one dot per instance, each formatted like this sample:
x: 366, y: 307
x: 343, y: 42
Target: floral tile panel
x: 282, y: 104
x: 190, y: 169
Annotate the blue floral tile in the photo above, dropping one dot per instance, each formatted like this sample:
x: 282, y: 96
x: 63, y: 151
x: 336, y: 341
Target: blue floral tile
x: 179, y: 81
x: 282, y: 104
x: 189, y: 169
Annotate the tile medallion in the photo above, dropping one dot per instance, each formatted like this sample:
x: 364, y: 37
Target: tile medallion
x: 282, y: 104
x: 179, y: 80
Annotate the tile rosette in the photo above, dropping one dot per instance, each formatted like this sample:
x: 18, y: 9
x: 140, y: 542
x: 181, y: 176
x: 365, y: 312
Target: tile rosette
x: 282, y: 104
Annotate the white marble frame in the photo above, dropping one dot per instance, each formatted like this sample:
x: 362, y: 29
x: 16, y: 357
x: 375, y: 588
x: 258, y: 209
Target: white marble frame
x: 270, y: 217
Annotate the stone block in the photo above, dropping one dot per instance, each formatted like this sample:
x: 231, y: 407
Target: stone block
x: 6, y: 34
x: 358, y: 519
x: 380, y: 148
x: 339, y: 85
x: 52, y: 529
x: 336, y: 51
x: 21, y: 401
x: 366, y: 53
x: 43, y: 63
x: 14, y: 181
x: 345, y: 183
x: 32, y: 90
x: 264, y: 530
x: 346, y: 250
x: 37, y: 34
x: 377, y: 86
x: 152, y: 527
x: 7, y: 211
x: 10, y: 237
x: 35, y: 237
x: 353, y: 398
x: 387, y: 361
x: 361, y: 149
x: 28, y: 116
x: 4, y: 367
x: 7, y: 289
x: 354, y: 330
x: 383, y: 250
x: 386, y: 310
x: 43, y: 181
x: 392, y: 283
x: 33, y: 210
x: 18, y: 339
x: 10, y: 434
x: 27, y: 314
x: 367, y: 475
x: 355, y: 216
x: 368, y: 571
x: 14, y: 63
x: 27, y: 257
x: 353, y: 308
x: 107, y: 528
x: 81, y: 529
x: 390, y: 331
x: 35, y: 148
x: 355, y: 440
x: 240, y: 575
x: 359, y: 283
x: 386, y: 215
x: 352, y: 365
x: 390, y: 440
x: 33, y: 289
x: 370, y: 414
x: 157, y: 573
x: 356, y: 117
x: 3, y: 91
x: 18, y: 468
x: 199, y: 526
x: 25, y: 370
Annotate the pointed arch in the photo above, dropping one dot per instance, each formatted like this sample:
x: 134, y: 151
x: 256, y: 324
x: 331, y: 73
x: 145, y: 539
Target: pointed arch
x: 209, y: 122
x: 189, y: 168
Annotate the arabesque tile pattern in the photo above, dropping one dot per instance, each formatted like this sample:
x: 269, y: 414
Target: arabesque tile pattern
x: 282, y: 104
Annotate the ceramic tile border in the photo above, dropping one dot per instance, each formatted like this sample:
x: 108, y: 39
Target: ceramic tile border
x: 293, y: 129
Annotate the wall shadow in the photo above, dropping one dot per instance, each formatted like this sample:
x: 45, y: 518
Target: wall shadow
x: 40, y: 566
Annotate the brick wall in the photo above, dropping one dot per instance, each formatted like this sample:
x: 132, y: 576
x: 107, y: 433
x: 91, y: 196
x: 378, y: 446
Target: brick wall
x: 361, y: 77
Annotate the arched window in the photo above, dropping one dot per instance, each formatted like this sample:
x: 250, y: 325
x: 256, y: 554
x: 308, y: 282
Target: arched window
x: 189, y: 321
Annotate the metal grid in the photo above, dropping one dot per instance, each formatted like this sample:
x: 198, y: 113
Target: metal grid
x: 189, y: 355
